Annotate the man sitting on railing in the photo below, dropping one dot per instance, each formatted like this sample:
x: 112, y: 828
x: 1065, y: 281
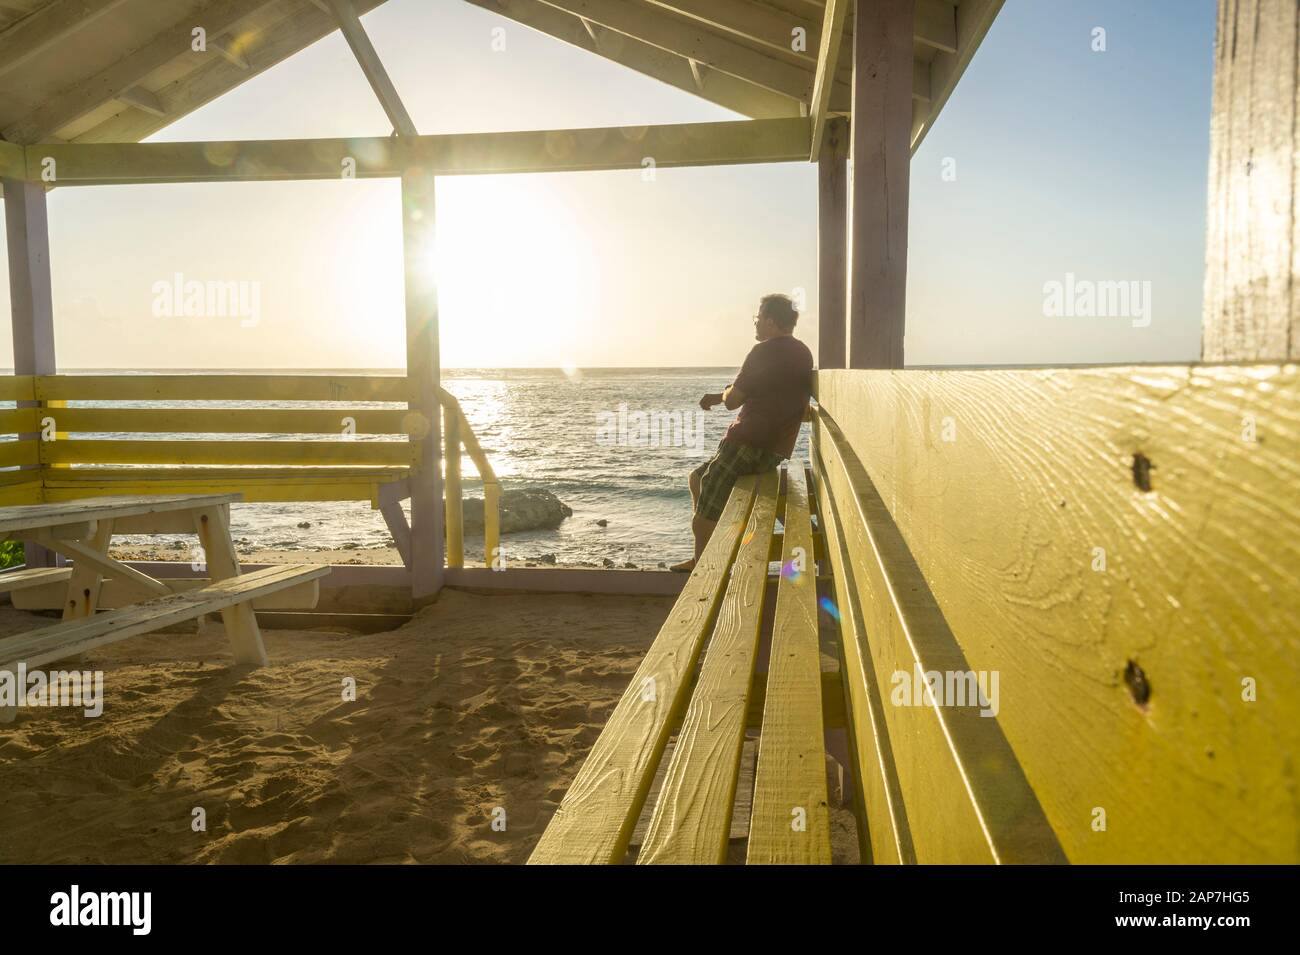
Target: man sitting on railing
x: 772, y: 392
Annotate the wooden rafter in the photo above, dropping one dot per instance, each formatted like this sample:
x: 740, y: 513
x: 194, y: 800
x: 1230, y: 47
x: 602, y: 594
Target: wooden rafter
x: 255, y: 48
x: 727, y: 91
x: 752, y: 21
x: 111, y: 82
x: 345, y: 15
x: 973, y: 20
x: 643, y: 21
x: 827, y: 60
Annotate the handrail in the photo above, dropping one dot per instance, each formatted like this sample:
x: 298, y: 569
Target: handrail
x: 458, y: 436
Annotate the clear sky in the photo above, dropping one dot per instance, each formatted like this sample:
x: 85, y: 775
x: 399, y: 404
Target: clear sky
x: 1066, y: 161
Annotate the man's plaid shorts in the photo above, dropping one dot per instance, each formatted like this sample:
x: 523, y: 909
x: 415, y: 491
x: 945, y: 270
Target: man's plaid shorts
x: 718, y: 474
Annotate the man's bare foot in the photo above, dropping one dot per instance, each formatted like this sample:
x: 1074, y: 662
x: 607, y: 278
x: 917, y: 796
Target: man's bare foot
x: 685, y: 567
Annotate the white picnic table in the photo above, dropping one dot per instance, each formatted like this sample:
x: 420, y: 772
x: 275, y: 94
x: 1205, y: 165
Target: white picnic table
x: 82, y: 529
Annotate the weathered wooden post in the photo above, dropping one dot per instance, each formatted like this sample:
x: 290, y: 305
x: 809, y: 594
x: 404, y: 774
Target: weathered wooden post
x: 832, y: 246
x: 1252, y: 298
x: 422, y: 373
x: 452, y: 489
x: 30, y: 299
x: 879, y: 158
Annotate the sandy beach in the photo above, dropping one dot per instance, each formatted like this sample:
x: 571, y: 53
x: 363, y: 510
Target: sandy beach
x: 478, y: 704
x: 339, y: 555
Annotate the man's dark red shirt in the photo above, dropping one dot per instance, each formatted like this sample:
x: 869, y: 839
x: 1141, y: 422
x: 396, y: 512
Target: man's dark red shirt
x: 776, y: 380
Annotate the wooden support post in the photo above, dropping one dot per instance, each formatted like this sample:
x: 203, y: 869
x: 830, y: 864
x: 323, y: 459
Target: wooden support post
x: 422, y: 375
x: 455, y: 506
x: 879, y: 155
x: 389, y: 498
x: 832, y: 240
x: 84, y: 584
x: 31, y: 303
x: 1252, y: 298
x: 213, y: 526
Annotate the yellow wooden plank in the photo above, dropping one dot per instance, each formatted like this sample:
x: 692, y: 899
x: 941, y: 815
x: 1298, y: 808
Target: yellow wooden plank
x: 833, y: 711
x: 191, y: 452
x: 790, y: 820
x: 20, y: 492
x: 14, y: 453
x: 692, y: 817
x: 222, y: 387
x: 966, y: 795
x: 594, y: 821
x: 884, y: 837
x: 17, y: 388
x: 18, y: 420
x: 279, y: 490
x: 257, y: 484
x: 1121, y: 544
x: 252, y: 474
x: 227, y: 420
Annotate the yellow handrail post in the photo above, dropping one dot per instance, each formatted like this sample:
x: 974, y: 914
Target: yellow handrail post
x: 451, y: 419
x: 491, y: 521
x: 491, y: 487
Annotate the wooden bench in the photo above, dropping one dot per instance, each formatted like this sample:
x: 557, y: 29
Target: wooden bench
x: 930, y: 778
x: 721, y: 608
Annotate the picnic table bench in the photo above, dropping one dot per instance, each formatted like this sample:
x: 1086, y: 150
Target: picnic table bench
x: 82, y: 530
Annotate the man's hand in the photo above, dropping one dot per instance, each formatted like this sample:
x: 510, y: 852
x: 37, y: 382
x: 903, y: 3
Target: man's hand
x: 709, y: 400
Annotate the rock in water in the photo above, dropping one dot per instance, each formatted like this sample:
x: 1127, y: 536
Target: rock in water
x: 522, y: 509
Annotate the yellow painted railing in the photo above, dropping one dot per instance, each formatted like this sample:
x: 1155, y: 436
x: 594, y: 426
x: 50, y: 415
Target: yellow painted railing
x: 458, y: 436
x: 346, y: 452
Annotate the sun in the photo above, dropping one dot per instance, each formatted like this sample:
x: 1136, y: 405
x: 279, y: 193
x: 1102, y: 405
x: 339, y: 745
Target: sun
x: 517, y: 275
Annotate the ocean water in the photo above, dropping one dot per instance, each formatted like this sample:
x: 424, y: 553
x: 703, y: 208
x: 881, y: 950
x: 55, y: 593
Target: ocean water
x: 613, y: 444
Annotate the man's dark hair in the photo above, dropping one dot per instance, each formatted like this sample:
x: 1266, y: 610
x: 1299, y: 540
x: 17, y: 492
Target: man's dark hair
x: 780, y: 309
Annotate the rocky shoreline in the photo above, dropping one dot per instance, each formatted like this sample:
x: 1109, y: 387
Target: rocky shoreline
x: 522, y: 510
